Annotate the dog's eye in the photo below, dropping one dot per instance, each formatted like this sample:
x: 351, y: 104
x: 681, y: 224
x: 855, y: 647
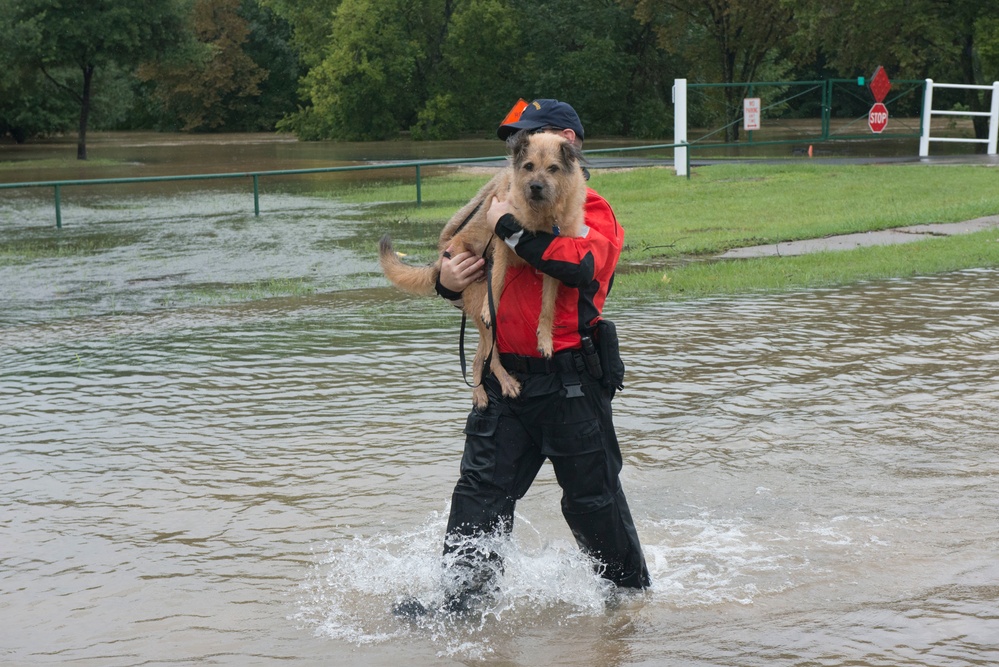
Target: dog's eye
x: 553, y: 169
x: 528, y: 166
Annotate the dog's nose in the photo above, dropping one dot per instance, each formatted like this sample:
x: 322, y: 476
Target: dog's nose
x: 537, y: 189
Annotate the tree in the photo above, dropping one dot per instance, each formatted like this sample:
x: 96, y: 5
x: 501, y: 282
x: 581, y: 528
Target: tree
x: 86, y: 36
x: 26, y: 107
x: 472, y: 85
x: 218, y: 82
x: 269, y: 45
x: 608, y: 66
x: 311, y: 22
x: 444, y: 67
x: 374, y: 74
x: 725, y: 40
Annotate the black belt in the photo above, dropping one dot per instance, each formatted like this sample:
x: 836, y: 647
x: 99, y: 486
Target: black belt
x: 535, y: 365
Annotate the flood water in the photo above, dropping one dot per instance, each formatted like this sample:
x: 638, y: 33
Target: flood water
x: 190, y: 477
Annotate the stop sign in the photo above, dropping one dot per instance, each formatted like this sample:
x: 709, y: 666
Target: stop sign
x: 877, y: 119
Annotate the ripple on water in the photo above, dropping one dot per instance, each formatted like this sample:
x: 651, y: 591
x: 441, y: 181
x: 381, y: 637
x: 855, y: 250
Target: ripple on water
x: 813, y: 469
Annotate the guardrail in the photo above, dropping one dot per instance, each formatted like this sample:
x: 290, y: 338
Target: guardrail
x: 257, y: 175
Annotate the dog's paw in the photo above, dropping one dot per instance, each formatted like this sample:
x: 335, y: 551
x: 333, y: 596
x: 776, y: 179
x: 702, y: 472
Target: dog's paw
x: 511, y: 388
x: 480, y: 398
x: 546, y: 348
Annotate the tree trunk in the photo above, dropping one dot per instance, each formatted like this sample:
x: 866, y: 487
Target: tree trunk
x: 729, y: 95
x: 81, y: 144
x: 973, y: 98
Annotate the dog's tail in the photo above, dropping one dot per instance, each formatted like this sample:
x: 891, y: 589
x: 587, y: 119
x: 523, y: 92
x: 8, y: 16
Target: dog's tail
x: 420, y: 280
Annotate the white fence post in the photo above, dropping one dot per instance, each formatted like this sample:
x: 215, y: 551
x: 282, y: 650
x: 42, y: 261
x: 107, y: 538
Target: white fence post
x: 680, y: 126
x: 994, y: 120
x: 924, y: 138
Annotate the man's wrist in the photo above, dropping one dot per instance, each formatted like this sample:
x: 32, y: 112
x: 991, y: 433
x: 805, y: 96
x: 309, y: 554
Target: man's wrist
x: 507, y: 226
x: 448, y: 294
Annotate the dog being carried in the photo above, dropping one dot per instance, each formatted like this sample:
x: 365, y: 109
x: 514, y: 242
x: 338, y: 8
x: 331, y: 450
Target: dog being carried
x: 545, y: 187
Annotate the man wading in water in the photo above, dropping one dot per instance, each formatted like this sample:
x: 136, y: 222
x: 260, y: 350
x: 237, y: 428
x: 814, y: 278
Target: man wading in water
x: 563, y: 412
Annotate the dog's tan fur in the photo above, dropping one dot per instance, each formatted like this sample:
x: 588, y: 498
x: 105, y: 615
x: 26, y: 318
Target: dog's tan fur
x: 545, y: 188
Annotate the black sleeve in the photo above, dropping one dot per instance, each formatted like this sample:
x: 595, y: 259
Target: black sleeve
x: 531, y: 246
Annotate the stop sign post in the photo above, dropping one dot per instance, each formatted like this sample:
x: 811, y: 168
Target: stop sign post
x: 877, y: 119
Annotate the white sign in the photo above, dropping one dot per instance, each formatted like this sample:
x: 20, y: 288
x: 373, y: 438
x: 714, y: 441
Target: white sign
x: 751, y: 113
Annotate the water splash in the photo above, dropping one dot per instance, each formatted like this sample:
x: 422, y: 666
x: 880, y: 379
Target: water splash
x: 356, y: 581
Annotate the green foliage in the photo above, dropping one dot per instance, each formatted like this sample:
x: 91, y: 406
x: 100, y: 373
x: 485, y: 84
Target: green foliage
x: 220, y: 65
x: 987, y: 41
x: 474, y: 83
x: 59, y: 35
x: 911, y: 39
x: 440, y: 69
x: 440, y: 118
x: 219, y: 79
x: 27, y: 107
x: 269, y: 46
x: 311, y: 24
x: 589, y: 63
x: 363, y: 87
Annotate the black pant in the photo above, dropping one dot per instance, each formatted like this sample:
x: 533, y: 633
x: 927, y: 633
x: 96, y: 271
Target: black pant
x: 505, y: 446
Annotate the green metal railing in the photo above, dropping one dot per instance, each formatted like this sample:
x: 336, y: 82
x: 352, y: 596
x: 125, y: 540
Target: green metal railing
x: 257, y: 175
x: 826, y: 86
x: 901, y: 87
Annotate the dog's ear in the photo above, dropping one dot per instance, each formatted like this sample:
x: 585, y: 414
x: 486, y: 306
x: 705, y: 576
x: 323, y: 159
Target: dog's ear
x: 517, y: 145
x: 571, y: 155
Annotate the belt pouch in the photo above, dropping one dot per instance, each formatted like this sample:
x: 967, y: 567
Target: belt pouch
x: 610, y: 355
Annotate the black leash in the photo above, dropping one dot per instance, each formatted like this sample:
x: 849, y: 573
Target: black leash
x: 492, y: 318
x: 468, y: 217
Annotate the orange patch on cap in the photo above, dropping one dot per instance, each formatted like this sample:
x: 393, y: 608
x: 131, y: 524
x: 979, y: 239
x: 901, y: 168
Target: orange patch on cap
x: 515, y: 113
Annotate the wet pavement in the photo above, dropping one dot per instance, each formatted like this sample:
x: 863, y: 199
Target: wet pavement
x: 897, y: 235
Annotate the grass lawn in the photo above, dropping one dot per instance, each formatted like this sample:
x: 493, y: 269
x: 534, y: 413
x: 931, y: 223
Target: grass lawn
x: 673, y: 224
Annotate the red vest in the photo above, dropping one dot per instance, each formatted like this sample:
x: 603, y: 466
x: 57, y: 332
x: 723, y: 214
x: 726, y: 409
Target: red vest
x: 577, y: 308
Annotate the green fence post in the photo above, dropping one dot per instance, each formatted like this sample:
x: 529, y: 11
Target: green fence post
x: 419, y: 195
x: 688, y: 159
x: 58, y: 209
x: 826, y: 110
x: 256, y: 195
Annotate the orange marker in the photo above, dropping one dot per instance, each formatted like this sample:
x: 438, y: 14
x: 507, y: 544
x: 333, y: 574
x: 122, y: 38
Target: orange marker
x: 516, y: 112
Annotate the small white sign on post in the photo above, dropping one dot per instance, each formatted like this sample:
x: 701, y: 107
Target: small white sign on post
x: 751, y: 113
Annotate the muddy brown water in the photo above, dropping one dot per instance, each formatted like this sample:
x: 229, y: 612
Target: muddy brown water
x: 191, y: 476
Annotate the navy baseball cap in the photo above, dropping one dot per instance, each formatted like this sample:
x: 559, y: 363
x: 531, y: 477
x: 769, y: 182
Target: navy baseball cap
x: 542, y: 113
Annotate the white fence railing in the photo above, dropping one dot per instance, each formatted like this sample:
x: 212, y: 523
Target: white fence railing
x: 928, y: 112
